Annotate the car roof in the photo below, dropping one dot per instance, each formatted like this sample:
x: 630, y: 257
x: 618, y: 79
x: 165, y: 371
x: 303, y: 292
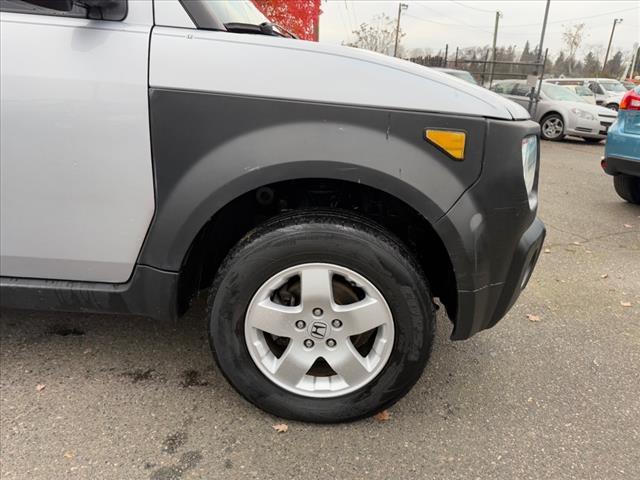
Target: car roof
x: 582, y: 79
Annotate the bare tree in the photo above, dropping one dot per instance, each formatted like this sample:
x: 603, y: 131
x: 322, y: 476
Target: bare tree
x: 420, y: 52
x: 378, y: 36
x: 572, y: 38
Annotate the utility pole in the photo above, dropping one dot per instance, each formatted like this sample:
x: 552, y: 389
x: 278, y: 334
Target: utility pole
x: 539, y: 60
x: 495, y: 38
x: 401, y: 6
x: 544, y: 29
x: 606, y: 56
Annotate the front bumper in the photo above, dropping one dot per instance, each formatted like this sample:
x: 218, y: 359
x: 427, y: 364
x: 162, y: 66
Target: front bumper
x: 492, y: 234
x: 483, y: 308
x: 597, y: 128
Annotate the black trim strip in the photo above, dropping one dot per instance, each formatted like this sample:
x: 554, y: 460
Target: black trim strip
x: 150, y: 292
x: 201, y: 15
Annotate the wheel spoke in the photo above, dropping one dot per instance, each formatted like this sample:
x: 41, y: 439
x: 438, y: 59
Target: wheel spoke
x: 348, y: 363
x: 294, y: 363
x: 361, y: 316
x: 315, y: 288
x: 275, y: 319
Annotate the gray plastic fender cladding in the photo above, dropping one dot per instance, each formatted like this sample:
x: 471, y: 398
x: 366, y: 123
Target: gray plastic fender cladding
x: 210, y: 148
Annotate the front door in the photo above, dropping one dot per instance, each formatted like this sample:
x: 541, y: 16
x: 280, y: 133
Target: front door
x: 75, y: 163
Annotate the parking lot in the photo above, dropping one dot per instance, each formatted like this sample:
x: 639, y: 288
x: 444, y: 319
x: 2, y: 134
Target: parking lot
x: 552, y: 391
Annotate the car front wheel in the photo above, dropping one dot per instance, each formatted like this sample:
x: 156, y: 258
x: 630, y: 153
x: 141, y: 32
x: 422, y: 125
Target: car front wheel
x: 321, y: 317
x: 552, y: 127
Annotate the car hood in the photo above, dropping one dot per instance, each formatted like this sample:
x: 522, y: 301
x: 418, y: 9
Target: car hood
x: 614, y: 96
x: 449, y: 93
x: 309, y: 71
x: 595, y: 110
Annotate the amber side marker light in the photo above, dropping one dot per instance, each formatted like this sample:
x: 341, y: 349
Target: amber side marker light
x: 449, y: 141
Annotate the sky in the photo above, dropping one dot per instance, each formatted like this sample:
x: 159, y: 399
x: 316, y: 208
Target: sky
x: 464, y: 23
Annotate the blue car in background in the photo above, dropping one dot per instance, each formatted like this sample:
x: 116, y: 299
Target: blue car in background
x: 622, y: 152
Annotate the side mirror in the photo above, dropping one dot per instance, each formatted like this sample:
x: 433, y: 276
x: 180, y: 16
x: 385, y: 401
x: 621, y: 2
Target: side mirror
x: 113, y: 10
x: 60, y: 5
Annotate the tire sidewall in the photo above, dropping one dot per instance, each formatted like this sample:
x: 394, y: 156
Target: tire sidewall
x: 378, y: 259
x: 627, y: 188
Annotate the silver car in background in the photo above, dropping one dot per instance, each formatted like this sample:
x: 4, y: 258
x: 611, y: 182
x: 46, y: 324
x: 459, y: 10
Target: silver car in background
x: 583, y: 92
x: 608, y: 91
x: 560, y: 111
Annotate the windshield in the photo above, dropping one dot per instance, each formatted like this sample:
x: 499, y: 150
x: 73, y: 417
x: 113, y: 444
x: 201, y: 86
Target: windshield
x: 466, y: 76
x: 616, y: 87
x: 238, y: 11
x: 554, y: 92
x: 583, y: 91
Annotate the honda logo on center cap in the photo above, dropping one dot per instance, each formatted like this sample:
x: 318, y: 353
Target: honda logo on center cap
x: 318, y: 330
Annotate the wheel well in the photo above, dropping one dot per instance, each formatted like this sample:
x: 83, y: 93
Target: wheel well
x: 553, y: 112
x: 247, y: 211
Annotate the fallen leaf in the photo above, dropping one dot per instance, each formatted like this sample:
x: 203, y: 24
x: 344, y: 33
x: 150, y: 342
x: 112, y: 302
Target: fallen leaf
x: 547, y: 250
x: 626, y: 225
x: 533, y: 318
x: 383, y: 416
x: 577, y: 243
x: 68, y: 455
x: 88, y: 350
x: 40, y: 387
x: 625, y: 304
x: 281, y: 427
x: 604, y: 275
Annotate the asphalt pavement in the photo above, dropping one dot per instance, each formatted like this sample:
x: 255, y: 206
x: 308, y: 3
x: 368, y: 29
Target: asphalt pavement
x: 552, y: 392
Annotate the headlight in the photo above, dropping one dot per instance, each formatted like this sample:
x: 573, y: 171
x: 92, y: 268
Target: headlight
x: 582, y: 114
x: 529, y: 161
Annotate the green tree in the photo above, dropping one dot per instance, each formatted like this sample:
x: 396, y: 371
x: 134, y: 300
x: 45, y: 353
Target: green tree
x: 591, y: 65
x: 525, y: 56
x: 560, y: 66
x: 613, y: 67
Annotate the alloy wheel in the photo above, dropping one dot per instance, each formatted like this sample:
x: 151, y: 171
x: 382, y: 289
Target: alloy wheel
x: 319, y: 330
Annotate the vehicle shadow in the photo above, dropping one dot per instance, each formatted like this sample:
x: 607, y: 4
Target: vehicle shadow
x: 580, y: 141
x: 54, y: 345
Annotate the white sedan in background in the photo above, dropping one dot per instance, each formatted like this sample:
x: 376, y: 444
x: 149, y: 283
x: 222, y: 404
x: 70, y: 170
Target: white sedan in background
x: 560, y: 112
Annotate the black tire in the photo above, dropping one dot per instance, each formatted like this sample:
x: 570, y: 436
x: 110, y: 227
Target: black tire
x: 628, y: 188
x: 328, y: 237
x: 592, y: 140
x: 545, y: 134
x: 613, y: 106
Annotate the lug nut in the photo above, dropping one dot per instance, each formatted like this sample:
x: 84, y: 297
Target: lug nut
x: 336, y: 323
x: 308, y: 343
x: 300, y: 324
x: 317, y: 312
x: 331, y: 343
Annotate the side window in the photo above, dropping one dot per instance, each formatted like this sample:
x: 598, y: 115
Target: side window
x: 503, y: 88
x: 116, y: 11
x: 521, y: 90
x: 595, y: 88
